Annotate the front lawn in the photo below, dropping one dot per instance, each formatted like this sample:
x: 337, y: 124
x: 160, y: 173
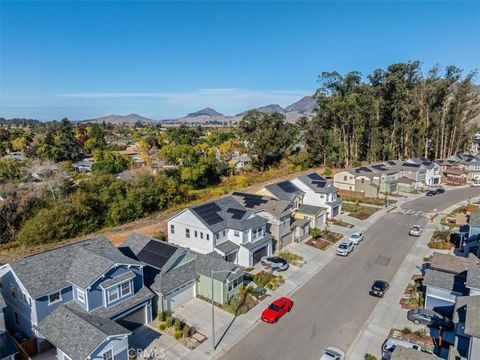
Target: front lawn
x: 440, y: 240
x: 292, y: 258
x: 358, y: 211
x: 268, y: 280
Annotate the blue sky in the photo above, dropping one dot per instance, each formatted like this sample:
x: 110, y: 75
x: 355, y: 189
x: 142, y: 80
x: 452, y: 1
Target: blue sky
x: 165, y: 59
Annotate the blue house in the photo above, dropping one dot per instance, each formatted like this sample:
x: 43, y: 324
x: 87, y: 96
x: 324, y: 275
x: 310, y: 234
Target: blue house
x: 8, y: 350
x: 85, y: 299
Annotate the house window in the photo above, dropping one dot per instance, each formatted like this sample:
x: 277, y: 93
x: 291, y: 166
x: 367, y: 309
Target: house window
x: 345, y: 178
x: 187, y: 233
x: 236, y: 233
x: 108, y: 355
x: 112, y: 294
x: 53, y: 298
x: 217, y: 236
x: 172, y: 229
x: 208, y: 236
x: 196, y: 233
x: 81, y: 295
x: 201, y: 235
x: 17, y: 320
x: 13, y: 291
x: 125, y: 288
x: 224, y: 233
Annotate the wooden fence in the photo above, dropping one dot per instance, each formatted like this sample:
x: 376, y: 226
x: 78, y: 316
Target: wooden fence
x: 351, y: 193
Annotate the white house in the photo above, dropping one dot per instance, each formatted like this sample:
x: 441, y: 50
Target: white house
x: 433, y: 175
x: 319, y: 192
x: 223, y: 226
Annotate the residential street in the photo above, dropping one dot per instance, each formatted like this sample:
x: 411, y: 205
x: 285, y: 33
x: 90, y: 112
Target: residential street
x: 334, y: 305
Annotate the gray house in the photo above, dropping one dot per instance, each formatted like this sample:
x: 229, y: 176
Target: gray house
x: 277, y: 212
x: 176, y: 274
x: 86, y: 294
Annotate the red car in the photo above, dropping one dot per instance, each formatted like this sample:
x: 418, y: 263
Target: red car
x: 277, y: 309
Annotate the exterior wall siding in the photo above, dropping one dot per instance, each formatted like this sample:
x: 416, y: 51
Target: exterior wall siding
x: 119, y: 345
x: 187, y: 220
x: 42, y: 307
x: 204, y: 288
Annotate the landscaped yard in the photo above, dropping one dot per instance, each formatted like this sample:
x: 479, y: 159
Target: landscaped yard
x: 293, y: 259
x: 420, y: 337
x: 441, y: 240
x: 339, y: 222
x: 358, y: 211
x: 413, y: 296
x: 323, y: 239
x: 177, y: 329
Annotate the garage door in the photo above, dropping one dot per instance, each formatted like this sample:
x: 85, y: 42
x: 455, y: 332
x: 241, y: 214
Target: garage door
x: 257, y: 255
x: 180, y: 296
x: 134, y: 319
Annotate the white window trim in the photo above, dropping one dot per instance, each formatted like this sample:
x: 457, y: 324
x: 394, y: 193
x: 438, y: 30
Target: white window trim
x: 82, y: 298
x: 108, y: 294
x: 129, y: 288
x: 56, y: 301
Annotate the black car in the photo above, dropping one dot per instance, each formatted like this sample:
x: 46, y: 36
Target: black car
x: 379, y: 288
x: 431, y: 193
x: 439, y: 191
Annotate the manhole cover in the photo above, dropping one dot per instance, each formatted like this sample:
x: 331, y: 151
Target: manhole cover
x: 382, y: 260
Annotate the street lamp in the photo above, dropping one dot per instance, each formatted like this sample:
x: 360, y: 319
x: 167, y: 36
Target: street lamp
x: 213, y: 306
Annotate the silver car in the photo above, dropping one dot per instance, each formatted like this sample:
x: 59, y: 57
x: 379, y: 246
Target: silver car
x: 415, y: 230
x: 333, y: 353
x: 274, y: 262
x: 356, y: 237
x: 345, y: 248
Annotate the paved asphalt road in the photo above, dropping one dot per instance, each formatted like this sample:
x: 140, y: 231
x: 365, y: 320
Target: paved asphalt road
x: 333, y: 306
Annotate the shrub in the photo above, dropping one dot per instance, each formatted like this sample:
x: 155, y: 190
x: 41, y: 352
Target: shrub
x: 169, y: 321
x: 316, y: 233
x: 370, y: 357
x: 177, y: 335
x: 270, y: 286
x: 406, y: 330
x: 262, y: 278
x: 162, y: 315
x: 327, y: 172
x: 162, y: 326
x: 422, y: 333
x: 177, y: 325
x: 273, y: 281
x: 186, y: 331
x: 160, y: 235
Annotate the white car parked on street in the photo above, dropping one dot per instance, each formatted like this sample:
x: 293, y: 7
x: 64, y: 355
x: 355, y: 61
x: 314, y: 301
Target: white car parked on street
x: 356, y: 237
x: 345, y: 248
x: 333, y: 353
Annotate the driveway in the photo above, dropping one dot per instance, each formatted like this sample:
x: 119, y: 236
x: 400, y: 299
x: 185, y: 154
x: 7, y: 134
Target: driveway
x: 332, y: 308
x: 198, y: 313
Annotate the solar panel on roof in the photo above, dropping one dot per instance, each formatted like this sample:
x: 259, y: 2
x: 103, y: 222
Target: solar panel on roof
x: 315, y: 176
x: 287, y: 186
x: 363, y: 169
x: 237, y: 214
x: 209, y: 213
x: 156, y: 253
x: 320, y: 184
x: 391, y: 162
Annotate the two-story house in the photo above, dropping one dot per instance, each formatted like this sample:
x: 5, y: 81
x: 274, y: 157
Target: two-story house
x: 471, y: 164
x: 319, y: 192
x: 445, y: 280
x: 285, y: 191
x: 277, y: 212
x: 224, y: 226
x: 433, y: 175
x: 85, y: 299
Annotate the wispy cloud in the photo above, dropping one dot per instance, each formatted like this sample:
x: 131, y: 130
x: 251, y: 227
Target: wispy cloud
x: 221, y: 98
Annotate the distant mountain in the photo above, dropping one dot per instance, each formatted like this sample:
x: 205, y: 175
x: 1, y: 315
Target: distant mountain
x: 121, y: 119
x: 207, y: 112
x: 305, y: 105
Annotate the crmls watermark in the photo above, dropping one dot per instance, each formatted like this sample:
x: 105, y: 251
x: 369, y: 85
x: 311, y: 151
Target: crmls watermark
x: 152, y: 354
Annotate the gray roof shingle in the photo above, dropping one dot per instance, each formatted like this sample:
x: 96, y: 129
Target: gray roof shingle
x: 81, y: 263
x: 227, y: 247
x: 317, y: 183
x: 263, y: 241
x: 403, y: 353
x: 140, y: 296
x: 284, y: 190
x: 205, y: 263
x: 310, y: 209
x: 444, y: 280
x: 136, y: 242
x: 175, y: 278
x: 117, y: 280
x: 473, y: 278
x: 76, y: 332
x: 257, y: 203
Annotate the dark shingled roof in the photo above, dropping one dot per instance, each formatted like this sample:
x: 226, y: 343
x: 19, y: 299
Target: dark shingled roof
x: 139, y: 297
x: 310, y: 209
x: 444, y: 280
x: 453, y: 264
x: 227, y: 247
x: 284, y: 190
x: 226, y: 213
x: 474, y: 219
x: 403, y: 353
x: 257, y: 203
x: 214, y: 261
x: 76, y: 332
x: 81, y: 263
x: 317, y: 183
x: 117, y: 280
x: 473, y: 278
